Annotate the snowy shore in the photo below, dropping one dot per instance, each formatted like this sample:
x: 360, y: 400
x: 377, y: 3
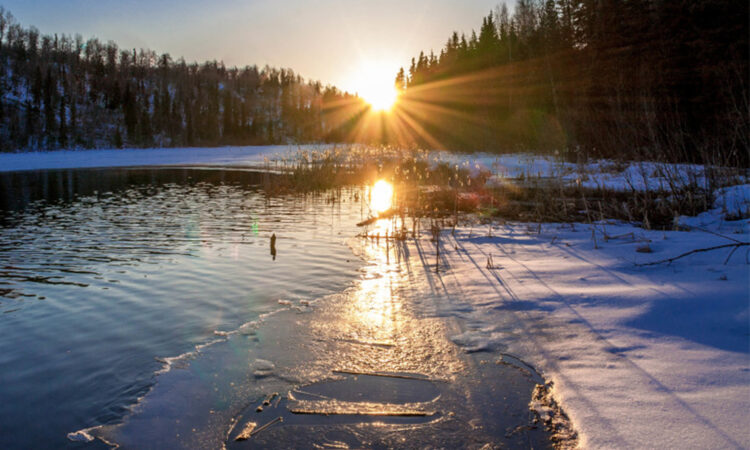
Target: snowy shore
x: 639, y: 356
x: 77, y: 159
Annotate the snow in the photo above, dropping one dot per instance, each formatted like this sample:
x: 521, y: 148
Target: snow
x: 620, y: 176
x: 639, y: 356
x: 734, y: 199
x: 254, y: 156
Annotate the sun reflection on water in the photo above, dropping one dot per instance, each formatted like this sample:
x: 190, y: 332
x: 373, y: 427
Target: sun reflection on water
x: 379, y: 322
x: 381, y: 196
x: 377, y: 309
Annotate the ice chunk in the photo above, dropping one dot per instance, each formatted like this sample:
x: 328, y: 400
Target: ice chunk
x: 81, y: 435
x: 262, y: 368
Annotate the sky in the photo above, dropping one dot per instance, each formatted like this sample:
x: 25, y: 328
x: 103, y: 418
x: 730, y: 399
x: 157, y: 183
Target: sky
x: 338, y: 42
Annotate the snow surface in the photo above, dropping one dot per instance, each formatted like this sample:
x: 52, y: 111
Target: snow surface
x: 621, y: 176
x: 640, y: 356
x: 221, y: 156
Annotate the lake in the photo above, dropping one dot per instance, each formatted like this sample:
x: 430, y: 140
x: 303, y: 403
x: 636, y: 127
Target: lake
x: 106, y: 273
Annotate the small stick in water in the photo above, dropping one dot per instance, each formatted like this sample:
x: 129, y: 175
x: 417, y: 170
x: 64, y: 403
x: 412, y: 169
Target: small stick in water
x: 266, y: 402
x: 437, y: 248
x: 387, y: 249
x: 246, y: 432
x: 278, y: 419
x: 386, y: 375
x: 273, y: 246
x: 268, y: 399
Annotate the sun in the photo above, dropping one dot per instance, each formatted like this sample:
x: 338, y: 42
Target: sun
x: 375, y: 84
x: 380, y: 97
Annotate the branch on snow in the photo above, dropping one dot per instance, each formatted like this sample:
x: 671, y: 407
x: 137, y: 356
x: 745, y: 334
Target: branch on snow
x: 734, y: 247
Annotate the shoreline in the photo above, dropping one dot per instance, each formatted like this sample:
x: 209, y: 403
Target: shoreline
x: 377, y: 346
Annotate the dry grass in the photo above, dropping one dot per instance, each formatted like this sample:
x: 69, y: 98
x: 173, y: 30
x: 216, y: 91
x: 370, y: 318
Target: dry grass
x: 427, y: 187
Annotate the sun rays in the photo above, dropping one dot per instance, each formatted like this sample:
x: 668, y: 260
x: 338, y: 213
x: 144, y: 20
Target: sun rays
x: 451, y: 111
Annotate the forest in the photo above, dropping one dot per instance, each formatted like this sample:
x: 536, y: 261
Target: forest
x: 642, y: 79
x: 67, y: 92
x: 634, y: 79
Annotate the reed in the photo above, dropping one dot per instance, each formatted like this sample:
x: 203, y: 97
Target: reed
x: 427, y: 187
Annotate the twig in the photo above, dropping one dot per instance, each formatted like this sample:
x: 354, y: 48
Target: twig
x: 276, y: 420
x: 669, y: 260
x: 266, y: 402
x: 381, y: 374
x: 269, y: 397
x: 374, y: 343
x: 730, y: 254
x: 363, y: 413
x: 300, y: 391
x: 717, y: 234
x: 632, y: 236
x: 246, y: 432
x: 250, y: 430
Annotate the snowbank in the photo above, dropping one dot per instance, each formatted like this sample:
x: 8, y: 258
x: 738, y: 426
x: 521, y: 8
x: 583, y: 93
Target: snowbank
x: 640, y: 356
x: 605, y: 174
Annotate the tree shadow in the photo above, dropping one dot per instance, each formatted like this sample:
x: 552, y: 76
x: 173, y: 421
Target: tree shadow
x: 720, y: 322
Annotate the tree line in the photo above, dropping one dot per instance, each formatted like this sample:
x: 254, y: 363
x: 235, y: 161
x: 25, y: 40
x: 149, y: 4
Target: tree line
x: 64, y: 92
x: 632, y: 78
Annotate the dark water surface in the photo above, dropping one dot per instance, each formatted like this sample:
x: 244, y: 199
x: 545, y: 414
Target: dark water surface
x: 105, y: 274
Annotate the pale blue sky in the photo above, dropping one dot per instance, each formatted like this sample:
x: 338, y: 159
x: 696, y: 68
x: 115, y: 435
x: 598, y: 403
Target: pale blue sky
x: 329, y: 40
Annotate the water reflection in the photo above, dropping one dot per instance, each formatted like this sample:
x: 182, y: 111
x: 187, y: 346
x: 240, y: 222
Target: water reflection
x: 104, y: 271
x: 381, y: 196
x: 19, y: 190
x: 372, y: 366
x: 373, y: 370
x: 383, y: 310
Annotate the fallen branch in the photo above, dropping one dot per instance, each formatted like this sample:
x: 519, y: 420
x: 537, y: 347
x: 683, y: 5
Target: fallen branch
x: 718, y: 234
x: 300, y: 391
x: 326, y: 412
x: 373, y: 343
x: 699, y: 250
x: 258, y: 430
x: 381, y: 374
x: 387, y: 214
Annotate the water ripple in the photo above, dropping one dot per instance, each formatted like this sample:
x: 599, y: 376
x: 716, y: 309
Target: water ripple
x: 102, y: 271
